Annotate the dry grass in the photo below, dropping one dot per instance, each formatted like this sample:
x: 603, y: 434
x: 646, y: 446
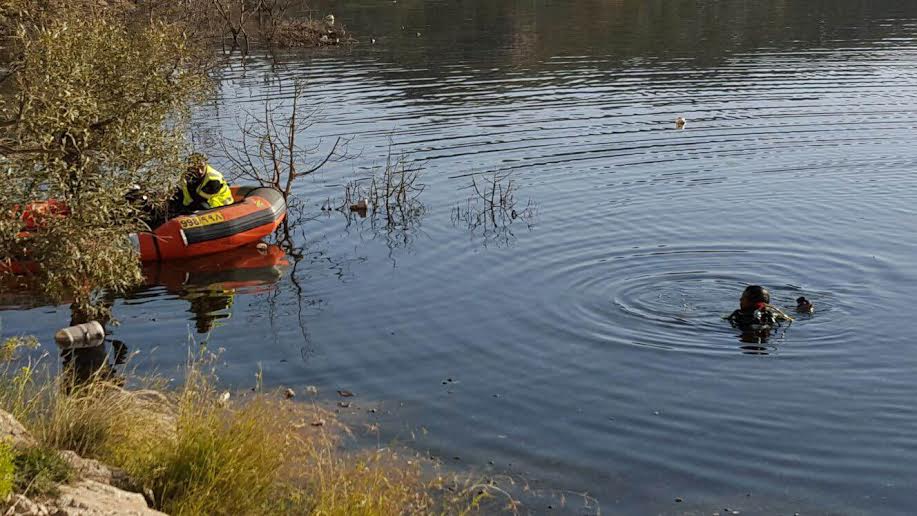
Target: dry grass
x: 193, y: 451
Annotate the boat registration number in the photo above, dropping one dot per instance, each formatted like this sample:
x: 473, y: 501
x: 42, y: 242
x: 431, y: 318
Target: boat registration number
x: 201, y: 220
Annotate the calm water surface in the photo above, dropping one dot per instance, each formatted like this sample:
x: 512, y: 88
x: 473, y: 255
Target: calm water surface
x: 582, y: 350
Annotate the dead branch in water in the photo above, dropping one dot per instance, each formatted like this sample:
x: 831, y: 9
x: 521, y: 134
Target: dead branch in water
x: 492, y: 208
x: 390, y: 195
x: 389, y: 198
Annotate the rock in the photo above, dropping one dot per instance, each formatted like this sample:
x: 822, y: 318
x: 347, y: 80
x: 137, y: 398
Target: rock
x: 149, y: 396
x: 21, y: 505
x: 90, y: 498
x: 13, y: 432
x: 88, y: 469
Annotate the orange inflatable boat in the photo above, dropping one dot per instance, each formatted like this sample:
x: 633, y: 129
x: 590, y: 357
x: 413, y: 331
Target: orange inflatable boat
x: 255, y: 214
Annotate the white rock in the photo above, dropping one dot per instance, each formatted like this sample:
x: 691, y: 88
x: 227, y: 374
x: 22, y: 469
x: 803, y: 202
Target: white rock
x: 90, y: 498
x: 13, y: 432
x: 88, y: 469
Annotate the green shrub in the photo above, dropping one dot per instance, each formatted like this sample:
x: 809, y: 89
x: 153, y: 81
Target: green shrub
x: 6, y: 469
x: 39, y: 469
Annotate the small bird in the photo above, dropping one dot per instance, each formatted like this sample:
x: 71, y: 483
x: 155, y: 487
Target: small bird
x: 680, y: 122
x: 804, y: 306
x: 329, y: 20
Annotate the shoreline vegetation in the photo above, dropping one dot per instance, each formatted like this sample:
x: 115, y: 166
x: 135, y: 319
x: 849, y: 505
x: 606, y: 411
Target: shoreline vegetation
x: 74, y: 447
x: 96, y: 99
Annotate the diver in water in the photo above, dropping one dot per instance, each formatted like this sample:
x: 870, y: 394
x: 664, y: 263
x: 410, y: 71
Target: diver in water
x: 756, y: 318
x: 755, y: 310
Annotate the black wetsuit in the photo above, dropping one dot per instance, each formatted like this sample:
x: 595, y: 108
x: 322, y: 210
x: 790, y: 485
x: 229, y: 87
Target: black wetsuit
x: 766, y: 316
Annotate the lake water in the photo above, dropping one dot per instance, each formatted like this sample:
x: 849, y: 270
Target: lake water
x: 580, y: 348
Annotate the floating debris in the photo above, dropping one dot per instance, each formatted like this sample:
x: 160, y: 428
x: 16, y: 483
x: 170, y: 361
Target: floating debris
x: 804, y: 306
x: 88, y: 335
x: 360, y: 206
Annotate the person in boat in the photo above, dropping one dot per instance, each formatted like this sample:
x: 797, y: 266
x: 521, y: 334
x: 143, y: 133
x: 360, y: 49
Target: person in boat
x: 202, y: 188
x: 755, y: 310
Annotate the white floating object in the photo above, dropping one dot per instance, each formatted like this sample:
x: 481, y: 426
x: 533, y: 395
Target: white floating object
x: 87, y: 335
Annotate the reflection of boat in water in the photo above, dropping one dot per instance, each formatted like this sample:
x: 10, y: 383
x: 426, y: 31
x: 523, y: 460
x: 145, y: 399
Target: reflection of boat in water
x: 243, y: 267
x: 247, y: 268
x: 210, y: 283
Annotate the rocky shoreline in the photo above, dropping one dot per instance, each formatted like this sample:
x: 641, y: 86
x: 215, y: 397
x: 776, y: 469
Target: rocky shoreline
x: 96, y: 489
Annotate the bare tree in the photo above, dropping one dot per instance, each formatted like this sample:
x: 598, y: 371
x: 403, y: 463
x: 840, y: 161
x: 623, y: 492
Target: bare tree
x: 269, y: 151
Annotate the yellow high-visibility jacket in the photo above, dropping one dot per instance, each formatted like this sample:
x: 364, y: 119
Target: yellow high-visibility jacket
x: 212, y: 192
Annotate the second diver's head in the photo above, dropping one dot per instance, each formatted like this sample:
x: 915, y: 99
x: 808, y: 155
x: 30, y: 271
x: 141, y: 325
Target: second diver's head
x: 753, y: 297
x: 196, y: 166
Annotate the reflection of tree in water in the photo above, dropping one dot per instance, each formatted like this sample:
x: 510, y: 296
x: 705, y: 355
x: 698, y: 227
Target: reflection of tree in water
x: 79, y: 365
x: 82, y: 364
x: 499, y: 37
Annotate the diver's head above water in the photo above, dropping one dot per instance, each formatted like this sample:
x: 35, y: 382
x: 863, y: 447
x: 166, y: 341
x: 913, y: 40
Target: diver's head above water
x: 754, y: 297
x: 755, y: 310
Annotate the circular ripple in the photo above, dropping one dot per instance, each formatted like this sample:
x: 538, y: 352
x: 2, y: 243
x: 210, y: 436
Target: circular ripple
x: 675, y: 297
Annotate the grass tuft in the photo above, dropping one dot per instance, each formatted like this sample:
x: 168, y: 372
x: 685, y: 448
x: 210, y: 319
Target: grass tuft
x: 38, y: 471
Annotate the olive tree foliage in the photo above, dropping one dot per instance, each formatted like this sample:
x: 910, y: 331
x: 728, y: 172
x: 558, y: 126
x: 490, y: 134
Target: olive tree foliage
x: 97, y: 102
